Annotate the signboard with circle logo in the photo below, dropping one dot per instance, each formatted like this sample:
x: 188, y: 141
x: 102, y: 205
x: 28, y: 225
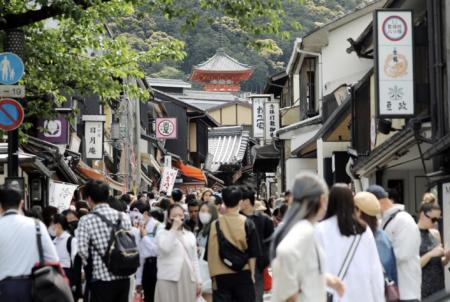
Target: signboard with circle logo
x: 11, y: 68
x: 166, y: 128
x: 11, y: 114
x: 394, y: 63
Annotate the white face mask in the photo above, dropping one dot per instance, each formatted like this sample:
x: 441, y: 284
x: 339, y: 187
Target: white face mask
x: 51, y: 231
x: 205, y: 217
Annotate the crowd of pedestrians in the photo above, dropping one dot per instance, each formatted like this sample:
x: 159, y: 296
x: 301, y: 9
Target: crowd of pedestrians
x: 322, y: 244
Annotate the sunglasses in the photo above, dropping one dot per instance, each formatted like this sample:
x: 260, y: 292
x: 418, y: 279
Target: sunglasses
x: 433, y: 219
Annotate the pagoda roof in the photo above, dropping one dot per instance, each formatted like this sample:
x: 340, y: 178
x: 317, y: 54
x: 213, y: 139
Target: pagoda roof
x: 222, y: 62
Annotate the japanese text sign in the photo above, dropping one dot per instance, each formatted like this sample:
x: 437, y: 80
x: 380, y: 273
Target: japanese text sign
x: 93, y: 133
x: 168, y: 180
x: 60, y: 194
x: 394, y: 63
x: 258, y: 117
x: 166, y: 128
x: 271, y: 120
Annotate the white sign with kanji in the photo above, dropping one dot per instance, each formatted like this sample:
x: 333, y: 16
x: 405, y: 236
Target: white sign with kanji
x: 271, y: 120
x: 60, y: 194
x: 258, y: 117
x: 168, y: 180
x: 93, y: 133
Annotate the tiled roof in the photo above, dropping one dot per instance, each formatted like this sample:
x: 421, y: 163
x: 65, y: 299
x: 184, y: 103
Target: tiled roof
x: 157, y: 82
x: 209, y: 96
x: 222, y: 62
x: 227, y: 145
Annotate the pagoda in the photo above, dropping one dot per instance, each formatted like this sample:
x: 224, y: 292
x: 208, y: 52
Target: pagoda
x: 221, y: 72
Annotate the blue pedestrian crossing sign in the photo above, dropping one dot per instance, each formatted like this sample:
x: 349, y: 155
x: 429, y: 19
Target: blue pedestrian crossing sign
x: 11, y: 68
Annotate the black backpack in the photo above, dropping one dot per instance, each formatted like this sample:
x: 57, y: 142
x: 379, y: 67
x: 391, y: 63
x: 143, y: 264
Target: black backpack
x: 231, y: 256
x: 122, y: 254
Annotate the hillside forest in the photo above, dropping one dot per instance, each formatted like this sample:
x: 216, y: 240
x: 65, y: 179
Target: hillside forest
x: 201, y: 43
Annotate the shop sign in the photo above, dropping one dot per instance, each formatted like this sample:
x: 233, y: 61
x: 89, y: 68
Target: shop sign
x: 93, y: 133
x: 258, y: 117
x: 60, y: 194
x: 168, y: 180
x: 56, y: 130
x: 394, y: 63
x: 166, y: 128
x: 271, y: 120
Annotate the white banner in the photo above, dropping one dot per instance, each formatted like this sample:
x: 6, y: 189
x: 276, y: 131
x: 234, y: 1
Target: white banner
x: 60, y: 194
x: 271, y: 120
x: 258, y: 116
x: 394, y: 69
x: 168, y: 180
x: 446, y: 225
x: 94, y: 140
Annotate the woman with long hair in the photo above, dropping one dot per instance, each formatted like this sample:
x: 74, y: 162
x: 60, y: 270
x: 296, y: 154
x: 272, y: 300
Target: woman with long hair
x: 342, y: 232
x: 367, y: 207
x: 206, y: 193
x: 433, y: 257
x: 178, y: 274
x: 207, y: 214
x: 298, y: 262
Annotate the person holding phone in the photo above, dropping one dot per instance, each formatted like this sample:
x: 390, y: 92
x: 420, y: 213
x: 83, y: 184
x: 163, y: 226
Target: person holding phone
x: 178, y: 274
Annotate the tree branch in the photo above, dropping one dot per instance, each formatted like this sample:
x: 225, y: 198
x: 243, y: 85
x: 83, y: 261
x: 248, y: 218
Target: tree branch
x: 33, y: 16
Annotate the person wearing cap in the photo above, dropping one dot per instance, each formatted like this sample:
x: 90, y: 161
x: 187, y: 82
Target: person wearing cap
x: 367, y: 208
x: 405, y: 237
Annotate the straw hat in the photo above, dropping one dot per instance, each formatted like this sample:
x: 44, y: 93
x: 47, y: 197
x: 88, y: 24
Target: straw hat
x: 259, y: 206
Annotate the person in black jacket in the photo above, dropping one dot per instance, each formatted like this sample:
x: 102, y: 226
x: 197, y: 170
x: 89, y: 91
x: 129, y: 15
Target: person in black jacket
x: 264, y: 228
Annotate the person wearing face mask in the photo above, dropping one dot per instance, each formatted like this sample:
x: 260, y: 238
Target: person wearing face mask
x: 178, y: 274
x: 66, y: 247
x: 208, y: 214
x: 146, y: 275
x: 18, y: 248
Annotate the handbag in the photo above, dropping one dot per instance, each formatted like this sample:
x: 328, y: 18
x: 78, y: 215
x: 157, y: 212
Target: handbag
x: 48, y: 282
x: 346, y: 263
x: 391, y: 291
x: 231, y: 256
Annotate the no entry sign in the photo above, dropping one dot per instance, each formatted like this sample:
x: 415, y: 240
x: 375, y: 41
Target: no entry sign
x: 11, y: 114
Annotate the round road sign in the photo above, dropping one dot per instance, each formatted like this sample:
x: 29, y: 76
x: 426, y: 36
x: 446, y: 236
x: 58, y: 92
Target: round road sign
x: 11, y: 114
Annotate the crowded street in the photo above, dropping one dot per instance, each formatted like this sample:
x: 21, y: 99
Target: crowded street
x: 226, y: 151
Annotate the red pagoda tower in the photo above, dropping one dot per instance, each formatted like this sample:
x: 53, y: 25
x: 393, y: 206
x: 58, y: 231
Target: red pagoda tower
x: 221, y: 73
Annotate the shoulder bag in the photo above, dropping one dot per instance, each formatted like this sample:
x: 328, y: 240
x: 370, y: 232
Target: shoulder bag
x: 231, y: 256
x: 346, y: 263
x: 390, y: 218
x: 48, y: 283
x: 390, y: 289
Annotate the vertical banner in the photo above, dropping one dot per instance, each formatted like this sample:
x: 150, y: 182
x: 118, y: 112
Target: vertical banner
x: 271, y: 120
x: 168, y: 180
x: 258, y: 117
x: 94, y: 140
x: 446, y: 226
x: 394, y: 63
x: 60, y: 194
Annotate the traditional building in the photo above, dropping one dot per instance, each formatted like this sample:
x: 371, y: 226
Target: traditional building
x: 221, y: 73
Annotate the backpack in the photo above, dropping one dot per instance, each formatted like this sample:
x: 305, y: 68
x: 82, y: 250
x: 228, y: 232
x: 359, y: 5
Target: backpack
x: 122, y: 254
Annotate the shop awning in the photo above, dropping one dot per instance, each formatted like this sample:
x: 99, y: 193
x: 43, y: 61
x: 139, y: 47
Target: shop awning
x: 188, y: 173
x: 148, y: 159
x: 439, y: 147
x: 28, y: 163
x: 146, y: 179
x: 91, y: 174
x: 267, y: 159
x: 214, y: 181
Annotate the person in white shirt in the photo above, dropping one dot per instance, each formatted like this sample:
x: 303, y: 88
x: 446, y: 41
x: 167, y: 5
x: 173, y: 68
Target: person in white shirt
x: 18, y: 248
x: 66, y: 247
x: 179, y: 276
x: 405, y: 236
x: 336, y: 234
x: 151, y: 199
x: 146, y: 275
x: 298, y: 262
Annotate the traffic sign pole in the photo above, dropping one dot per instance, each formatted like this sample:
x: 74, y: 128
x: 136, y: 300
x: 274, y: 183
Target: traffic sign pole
x: 14, y: 42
